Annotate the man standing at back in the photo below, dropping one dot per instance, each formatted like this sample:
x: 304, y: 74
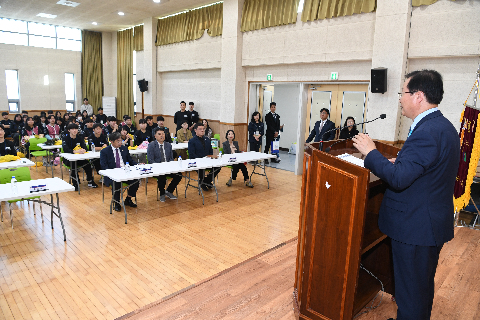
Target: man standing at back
x: 86, y: 106
x: 322, y: 127
x: 273, y: 128
x: 194, y: 117
x: 417, y: 208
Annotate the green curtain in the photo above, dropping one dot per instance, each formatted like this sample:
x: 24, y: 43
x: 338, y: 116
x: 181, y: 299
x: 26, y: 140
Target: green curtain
x: 190, y: 25
x: 125, y: 73
x: 138, y: 38
x: 326, y: 9
x: 92, y: 71
x: 259, y: 14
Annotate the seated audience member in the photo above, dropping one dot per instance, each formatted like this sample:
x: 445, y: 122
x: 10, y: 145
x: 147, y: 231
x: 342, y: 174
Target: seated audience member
x: 181, y: 116
x: 58, y: 114
x: 255, y: 132
x: 66, y: 117
x: 43, y: 123
x: 183, y: 135
x: 69, y: 142
x: 229, y: 147
x: 37, y: 123
x: 161, y: 151
x: 160, y: 124
x: 18, y: 125
x: 142, y: 133
x: 94, y: 118
x: 150, y: 125
x: 194, y: 116
x: 99, y: 141
x: 8, y: 125
x: 350, y: 129
x: 124, y: 118
x: 88, y: 128
x: 200, y: 147
x: 126, y: 139
x: 79, y: 119
x: 6, y: 146
x: 30, y: 129
x: 130, y: 126
x: 84, y: 115
x: 59, y: 121
x: 52, y: 129
x: 101, y: 118
x: 208, y: 130
x: 112, y: 126
x: 116, y: 156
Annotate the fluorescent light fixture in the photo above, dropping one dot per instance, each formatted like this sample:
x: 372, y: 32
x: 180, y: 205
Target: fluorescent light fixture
x: 68, y: 3
x: 94, y: 23
x: 47, y: 15
x: 156, y: 1
x: 120, y: 13
x: 45, y: 80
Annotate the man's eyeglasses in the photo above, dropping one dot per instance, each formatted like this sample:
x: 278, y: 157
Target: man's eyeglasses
x: 400, y: 94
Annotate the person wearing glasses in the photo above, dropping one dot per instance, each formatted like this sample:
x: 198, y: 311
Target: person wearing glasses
x: 417, y: 207
x: 322, y: 127
x: 349, y: 130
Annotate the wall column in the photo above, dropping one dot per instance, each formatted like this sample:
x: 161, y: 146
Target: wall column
x: 149, y: 66
x: 233, y: 109
x: 392, y: 27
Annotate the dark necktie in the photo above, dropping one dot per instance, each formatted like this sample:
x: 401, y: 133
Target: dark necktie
x: 162, y: 158
x: 117, y: 160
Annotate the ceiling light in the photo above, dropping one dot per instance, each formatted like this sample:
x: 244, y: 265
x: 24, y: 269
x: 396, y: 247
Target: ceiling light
x: 45, y: 80
x: 68, y: 3
x: 156, y: 1
x: 94, y: 23
x: 120, y: 13
x: 47, y: 15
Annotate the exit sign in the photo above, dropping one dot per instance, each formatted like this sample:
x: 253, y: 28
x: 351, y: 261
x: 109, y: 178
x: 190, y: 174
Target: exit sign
x: 269, y: 77
x: 334, y: 76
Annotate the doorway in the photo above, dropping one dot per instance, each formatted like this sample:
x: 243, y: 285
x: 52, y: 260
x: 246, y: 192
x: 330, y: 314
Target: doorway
x: 342, y: 100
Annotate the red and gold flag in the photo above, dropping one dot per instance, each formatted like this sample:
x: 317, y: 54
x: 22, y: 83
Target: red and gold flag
x: 469, y: 154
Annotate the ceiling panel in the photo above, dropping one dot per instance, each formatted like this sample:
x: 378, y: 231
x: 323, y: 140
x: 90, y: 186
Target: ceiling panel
x: 103, y: 12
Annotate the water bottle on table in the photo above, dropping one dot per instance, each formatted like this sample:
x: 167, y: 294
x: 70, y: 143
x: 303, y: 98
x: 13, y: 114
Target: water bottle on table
x: 14, y: 185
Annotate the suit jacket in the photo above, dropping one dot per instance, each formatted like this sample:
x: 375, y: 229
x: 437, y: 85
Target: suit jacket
x: 273, y: 124
x: 417, y: 207
x: 226, y: 147
x: 154, y: 154
x: 197, y: 150
x: 107, y: 160
x: 329, y: 125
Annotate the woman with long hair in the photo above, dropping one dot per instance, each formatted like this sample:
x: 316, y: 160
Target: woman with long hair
x: 255, y: 132
x: 229, y: 147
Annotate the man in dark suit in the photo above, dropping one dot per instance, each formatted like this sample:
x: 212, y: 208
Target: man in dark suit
x: 161, y: 151
x: 417, y: 208
x: 272, y: 121
x: 199, y: 147
x: 321, y: 127
x: 116, y: 156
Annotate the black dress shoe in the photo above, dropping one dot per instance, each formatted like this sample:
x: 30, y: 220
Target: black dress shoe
x: 117, y: 207
x: 130, y: 203
x: 204, y: 187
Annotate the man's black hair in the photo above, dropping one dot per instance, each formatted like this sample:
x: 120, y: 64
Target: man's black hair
x: 100, y: 108
x: 88, y: 120
x: 72, y: 126
x: 142, y: 121
x: 273, y: 104
x: 111, y: 118
x: 191, y: 103
x: 115, y: 136
x: 182, y: 102
x: 326, y: 110
x: 97, y: 125
x: 4, y: 113
x: 127, y: 117
x: 427, y: 81
x: 160, y: 118
x: 198, y: 124
x: 149, y: 118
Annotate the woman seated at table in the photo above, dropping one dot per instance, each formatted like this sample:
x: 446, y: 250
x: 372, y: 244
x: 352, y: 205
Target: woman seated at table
x: 349, y: 130
x: 6, y: 146
x: 229, y: 147
x: 126, y: 138
x: 53, y: 129
x: 183, y: 135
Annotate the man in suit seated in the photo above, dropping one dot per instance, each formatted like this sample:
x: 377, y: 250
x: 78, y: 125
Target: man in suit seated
x: 161, y: 151
x: 321, y: 127
x: 200, y: 147
x: 116, y: 156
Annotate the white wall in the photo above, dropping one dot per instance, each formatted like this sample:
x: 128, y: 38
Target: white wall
x: 203, y: 87
x: 204, y: 53
x: 32, y: 65
x: 287, y: 97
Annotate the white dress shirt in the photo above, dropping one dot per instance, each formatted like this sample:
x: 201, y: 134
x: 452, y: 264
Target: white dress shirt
x: 163, y: 149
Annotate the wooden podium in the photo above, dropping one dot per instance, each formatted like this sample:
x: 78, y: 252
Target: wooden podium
x: 338, y: 232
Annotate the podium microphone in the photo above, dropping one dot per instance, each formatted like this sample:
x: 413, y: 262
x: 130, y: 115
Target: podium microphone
x: 382, y: 116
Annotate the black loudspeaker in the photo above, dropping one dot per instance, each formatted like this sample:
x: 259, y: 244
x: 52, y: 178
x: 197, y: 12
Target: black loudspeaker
x: 378, y: 80
x: 143, y: 85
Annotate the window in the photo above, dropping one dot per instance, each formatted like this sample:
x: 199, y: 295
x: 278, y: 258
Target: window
x: 13, y: 90
x: 70, y: 91
x: 300, y: 6
x: 134, y: 81
x: 41, y: 35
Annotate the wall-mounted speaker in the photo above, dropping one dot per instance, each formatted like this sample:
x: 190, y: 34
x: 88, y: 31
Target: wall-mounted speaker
x: 143, y: 85
x: 378, y: 80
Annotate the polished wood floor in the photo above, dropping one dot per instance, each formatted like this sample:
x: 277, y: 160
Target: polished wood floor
x: 107, y: 269
x: 261, y: 288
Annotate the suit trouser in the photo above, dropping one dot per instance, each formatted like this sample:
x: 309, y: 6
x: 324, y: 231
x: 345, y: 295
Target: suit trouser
x: 414, y: 270
x: 162, y: 181
x: 268, y: 142
x: 96, y: 164
x: 208, y: 179
x: 239, y: 166
x: 132, y: 190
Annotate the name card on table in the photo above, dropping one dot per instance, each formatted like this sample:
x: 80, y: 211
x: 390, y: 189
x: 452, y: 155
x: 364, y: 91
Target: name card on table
x: 40, y: 187
x: 192, y: 164
x: 145, y: 170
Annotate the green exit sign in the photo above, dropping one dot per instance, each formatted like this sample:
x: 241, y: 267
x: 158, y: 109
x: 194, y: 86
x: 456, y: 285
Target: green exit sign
x: 269, y: 77
x: 334, y: 76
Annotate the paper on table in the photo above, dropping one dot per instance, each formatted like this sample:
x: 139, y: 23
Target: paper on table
x: 349, y: 158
